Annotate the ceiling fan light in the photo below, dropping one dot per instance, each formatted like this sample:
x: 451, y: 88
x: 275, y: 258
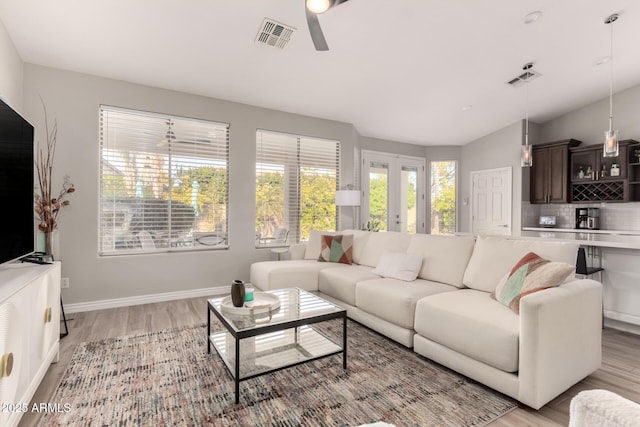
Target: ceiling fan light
x: 318, y: 6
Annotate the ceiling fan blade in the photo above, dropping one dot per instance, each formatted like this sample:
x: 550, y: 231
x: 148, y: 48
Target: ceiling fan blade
x: 316, y: 32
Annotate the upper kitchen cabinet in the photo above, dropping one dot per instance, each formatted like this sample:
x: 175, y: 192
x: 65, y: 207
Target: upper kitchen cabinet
x: 595, y: 178
x: 550, y: 171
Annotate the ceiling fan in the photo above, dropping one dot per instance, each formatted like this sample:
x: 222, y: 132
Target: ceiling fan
x: 313, y: 8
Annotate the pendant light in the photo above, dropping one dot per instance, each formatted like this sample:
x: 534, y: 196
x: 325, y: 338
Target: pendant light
x: 611, y: 147
x: 526, y: 156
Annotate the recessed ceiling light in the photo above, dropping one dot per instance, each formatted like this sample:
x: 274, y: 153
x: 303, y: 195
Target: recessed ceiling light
x: 467, y: 107
x: 603, y: 60
x: 532, y: 17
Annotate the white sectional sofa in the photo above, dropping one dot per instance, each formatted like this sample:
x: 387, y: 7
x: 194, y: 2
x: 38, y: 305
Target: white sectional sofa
x: 447, y: 313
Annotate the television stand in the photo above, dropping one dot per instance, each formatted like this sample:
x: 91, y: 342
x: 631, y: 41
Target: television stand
x: 37, y: 258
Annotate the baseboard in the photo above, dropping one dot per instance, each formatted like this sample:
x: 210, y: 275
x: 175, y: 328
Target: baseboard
x: 144, y: 299
x: 622, y: 326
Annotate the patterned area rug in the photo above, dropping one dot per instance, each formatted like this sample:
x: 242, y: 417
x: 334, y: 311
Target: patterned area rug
x: 167, y: 379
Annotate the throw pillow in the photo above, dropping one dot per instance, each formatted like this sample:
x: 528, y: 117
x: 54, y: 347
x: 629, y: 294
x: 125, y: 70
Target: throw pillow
x: 336, y: 248
x: 313, y: 244
x: 398, y: 265
x: 529, y: 275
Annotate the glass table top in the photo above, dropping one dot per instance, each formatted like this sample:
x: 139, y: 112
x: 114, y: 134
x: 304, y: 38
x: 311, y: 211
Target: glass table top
x: 295, y: 304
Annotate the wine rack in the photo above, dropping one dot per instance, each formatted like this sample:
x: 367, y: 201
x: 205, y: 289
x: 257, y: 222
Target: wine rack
x: 610, y: 191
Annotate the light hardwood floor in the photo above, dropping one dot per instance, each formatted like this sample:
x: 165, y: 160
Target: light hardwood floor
x: 620, y: 370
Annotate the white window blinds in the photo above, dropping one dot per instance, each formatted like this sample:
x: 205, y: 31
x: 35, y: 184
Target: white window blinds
x: 163, y: 183
x: 296, y: 181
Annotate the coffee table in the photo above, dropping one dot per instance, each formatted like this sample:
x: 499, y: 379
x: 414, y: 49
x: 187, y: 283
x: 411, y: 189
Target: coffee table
x: 276, y: 339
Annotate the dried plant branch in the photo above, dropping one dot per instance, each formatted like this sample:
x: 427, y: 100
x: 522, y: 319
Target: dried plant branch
x: 47, y: 207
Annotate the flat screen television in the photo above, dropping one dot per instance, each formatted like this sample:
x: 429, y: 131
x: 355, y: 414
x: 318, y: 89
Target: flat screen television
x: 17, y: 232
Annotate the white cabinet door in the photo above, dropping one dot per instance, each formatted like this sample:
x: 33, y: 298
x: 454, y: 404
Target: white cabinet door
x: 29, y: 333
x: 46, y: 318
x: 14, y: 358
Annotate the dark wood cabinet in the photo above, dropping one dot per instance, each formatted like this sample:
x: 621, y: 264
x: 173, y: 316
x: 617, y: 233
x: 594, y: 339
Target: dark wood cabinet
x: 634, y: 172
x: 595, y: 178
x: 550, y: 172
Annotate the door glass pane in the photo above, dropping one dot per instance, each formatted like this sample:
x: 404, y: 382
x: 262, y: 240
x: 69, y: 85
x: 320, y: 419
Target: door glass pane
x: 443, y: 197
x: 408, y: 197
x: 378, y: 196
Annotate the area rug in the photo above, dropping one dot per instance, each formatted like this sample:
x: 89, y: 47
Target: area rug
x: 167, y: 378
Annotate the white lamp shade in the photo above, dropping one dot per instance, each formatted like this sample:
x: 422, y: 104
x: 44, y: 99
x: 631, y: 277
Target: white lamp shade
x: 348, y: 198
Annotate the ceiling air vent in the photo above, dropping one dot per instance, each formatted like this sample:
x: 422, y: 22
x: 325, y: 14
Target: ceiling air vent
x: 273, y: 33
x: 523, y: 78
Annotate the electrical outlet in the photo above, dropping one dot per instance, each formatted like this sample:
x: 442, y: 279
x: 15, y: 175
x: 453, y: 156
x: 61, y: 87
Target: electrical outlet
x: 64, y: 284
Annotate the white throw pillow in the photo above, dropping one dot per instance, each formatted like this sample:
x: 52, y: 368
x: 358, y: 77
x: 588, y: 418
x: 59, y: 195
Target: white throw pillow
x: 398, y: 265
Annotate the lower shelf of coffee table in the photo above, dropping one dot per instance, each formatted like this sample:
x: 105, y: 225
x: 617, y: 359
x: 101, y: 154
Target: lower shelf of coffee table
x: 273, y: 351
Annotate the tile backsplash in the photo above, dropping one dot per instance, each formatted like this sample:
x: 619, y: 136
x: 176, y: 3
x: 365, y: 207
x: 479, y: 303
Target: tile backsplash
x: 613, y: 216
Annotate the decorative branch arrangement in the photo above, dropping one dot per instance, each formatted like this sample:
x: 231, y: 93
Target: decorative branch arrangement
x: 47, y: 207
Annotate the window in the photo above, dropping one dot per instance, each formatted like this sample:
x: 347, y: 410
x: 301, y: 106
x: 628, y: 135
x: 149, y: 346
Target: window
x: 163, y: 183
x: 296, y: 182
x: 443, y: 197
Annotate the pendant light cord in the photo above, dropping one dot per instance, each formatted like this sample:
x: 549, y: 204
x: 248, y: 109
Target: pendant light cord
x: 526, y: 112
x: 611, y: 78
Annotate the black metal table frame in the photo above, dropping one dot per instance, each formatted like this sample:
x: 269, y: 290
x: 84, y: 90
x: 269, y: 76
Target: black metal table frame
x: 239, y: 335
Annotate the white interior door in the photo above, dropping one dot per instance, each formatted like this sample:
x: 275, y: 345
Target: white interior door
x: 491, y: 201
x: 393, y: 189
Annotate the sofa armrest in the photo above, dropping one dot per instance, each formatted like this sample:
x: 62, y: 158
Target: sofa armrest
x: 560, y: 339
x: 602, y: 408
x: 297, y: 251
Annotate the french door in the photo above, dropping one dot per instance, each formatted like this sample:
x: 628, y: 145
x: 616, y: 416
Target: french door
x: 393, y: 188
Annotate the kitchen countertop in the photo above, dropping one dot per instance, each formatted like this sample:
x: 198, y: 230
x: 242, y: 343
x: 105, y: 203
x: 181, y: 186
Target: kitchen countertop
x: 574, y: 230
x: 602, y: 238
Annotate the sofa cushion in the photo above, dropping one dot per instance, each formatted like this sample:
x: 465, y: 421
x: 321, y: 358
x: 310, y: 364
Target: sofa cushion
x: 444, y: 257
x: 394, y: 300
x: 340, y: 283
x: 337, y: 248
x: 380, y: 242
x: 493, y: 257
x: 472, y: 323
x: 530, y: 274
x: 398, y: 265
x: 303, y: 274
x: 360, y: 239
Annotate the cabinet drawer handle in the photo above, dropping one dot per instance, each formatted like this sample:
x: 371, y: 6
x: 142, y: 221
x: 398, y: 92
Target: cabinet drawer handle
x: 47, y: 315
x: 7, y: 365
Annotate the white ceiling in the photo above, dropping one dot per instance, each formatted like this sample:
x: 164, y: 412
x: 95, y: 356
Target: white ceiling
x: 397, y: 69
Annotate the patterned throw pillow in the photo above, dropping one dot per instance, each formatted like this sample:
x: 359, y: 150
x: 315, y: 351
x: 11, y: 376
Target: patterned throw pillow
x: 336, y: 248
x: 529, y: 275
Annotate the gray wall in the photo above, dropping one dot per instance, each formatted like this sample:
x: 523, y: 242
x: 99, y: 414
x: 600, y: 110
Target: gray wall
x: 386, y: 146
x: 11, y: 68
x: 73, y: 99
x: 496, y: 150
x: 589, y: 123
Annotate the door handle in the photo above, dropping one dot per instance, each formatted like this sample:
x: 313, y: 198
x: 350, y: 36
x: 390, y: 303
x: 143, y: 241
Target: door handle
x: 503, y: 225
